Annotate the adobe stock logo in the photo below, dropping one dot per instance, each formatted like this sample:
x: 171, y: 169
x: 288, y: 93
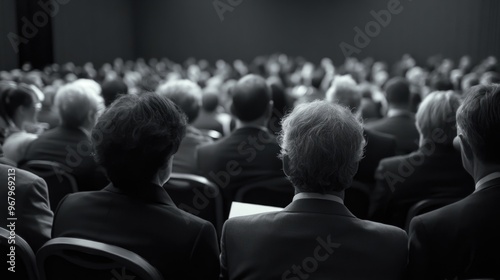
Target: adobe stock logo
x: 29, y: 29
x: 221, y: 7
x: 372, y: 28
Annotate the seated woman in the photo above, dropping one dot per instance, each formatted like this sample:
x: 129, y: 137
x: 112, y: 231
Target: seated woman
x: 135, y: 141
x: 19, y: 106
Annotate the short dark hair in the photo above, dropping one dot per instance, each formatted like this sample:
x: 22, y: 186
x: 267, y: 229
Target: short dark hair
x: 398, y: 91
x: 209, y: 100
x: 135, y: 136
x: 112, y: 89
x: 13, y: 96
x: 251, y: 97
x: 479, y: 119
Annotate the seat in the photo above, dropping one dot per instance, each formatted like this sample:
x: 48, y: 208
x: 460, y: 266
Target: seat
x: 198, y: 196
x: 59, y: 181
x: 25, y: 265
x: 428, y: 205
x: 65, y: 258
x: 277, y: 192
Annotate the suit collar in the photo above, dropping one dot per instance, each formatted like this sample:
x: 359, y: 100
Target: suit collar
x: 250, y: 130
x: 148, y: 192
x: 319, y: 206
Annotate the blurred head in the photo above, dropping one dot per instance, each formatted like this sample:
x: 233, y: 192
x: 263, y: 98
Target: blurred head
x: 19, y: 104
x: 252, y: 99
x: 436, y: 117
x: 469, y: 80
x: 478, y: 120
x: 78, y: 106
x: 398, y: 92
x: 345, y: 92
x: 210, y: 100
x: 490, y: 77
x: 321, y: 146
x: 89, y: 85
x: 136, y: 138
x: 185, y: 94
x: 112, y: 89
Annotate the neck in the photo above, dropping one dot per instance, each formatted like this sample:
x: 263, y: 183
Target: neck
x: 481, y: 170
x: 257, y: 123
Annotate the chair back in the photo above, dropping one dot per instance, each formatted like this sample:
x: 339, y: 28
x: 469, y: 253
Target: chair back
x: 198, y: 196
x: 22, y: 257
x: 428, y: 205
x: 59, y: 181
x: 65, y: 258
x: 277, y: 192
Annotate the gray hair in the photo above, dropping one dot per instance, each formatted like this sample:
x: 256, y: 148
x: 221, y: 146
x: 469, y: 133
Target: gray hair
x: 436, y: 117
x: 185, y: 94
x: 323, y: 143
x: 346, y: 92
x: 74, y: 102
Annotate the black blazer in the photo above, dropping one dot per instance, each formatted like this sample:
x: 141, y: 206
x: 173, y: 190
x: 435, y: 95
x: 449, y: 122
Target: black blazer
x: 72, y: 148
x: 402, y: 127
x: 247, y: 155
x: 405, y: 180
x: 461, y: 239
x: 147, y: 222
x: 321, y: 237
x: 32, y: 208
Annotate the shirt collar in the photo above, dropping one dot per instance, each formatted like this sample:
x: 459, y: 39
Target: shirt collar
x: 481, y: 184
x: 309, y: 195
x: 254, y: 126
x: 397, y: 113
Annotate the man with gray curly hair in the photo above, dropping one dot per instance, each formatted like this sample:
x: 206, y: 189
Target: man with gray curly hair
x: 322, y: 144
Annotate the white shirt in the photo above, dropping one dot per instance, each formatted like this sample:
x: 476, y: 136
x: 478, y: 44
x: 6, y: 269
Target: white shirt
x: 309, y: 195
x: 487, y: 178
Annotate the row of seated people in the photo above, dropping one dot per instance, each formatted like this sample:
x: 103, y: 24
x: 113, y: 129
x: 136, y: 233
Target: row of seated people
x: 321, y: 147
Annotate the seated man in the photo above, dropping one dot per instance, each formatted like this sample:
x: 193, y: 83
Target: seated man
x: 399, y: 122
x: 135, y: 141
x: 32, y: 209
x: 315, y: 237
x: 208, y: 119
x: 78, y: 107
x: 461, y: 240
x: 250, y: 153
x: 433, y: 171
x: 186, y: 95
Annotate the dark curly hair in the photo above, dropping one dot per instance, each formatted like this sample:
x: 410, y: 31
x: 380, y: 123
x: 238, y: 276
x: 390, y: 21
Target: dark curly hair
x: 135, y: 137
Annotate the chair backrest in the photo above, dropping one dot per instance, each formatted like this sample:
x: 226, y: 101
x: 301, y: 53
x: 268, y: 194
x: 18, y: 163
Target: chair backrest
x: 22, y: 257
x: 198, y: 196
x: 65, y: 258
x: 59, y: 181
x: 277, y: 192
x: 428, y: 205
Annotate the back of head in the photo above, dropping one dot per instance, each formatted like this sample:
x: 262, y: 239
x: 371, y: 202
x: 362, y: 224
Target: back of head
x: 478, y: 120
x: 77, y: 105
x: 13, y: 96
x: 321, y: 145
x: 186, y: 94
x: 251, y: 98
x: 436, y: 117
x: 136, y: 136
x: 345, y: 92
x: 210, y: 100
x: 398, y: 92
x: 112, y: 89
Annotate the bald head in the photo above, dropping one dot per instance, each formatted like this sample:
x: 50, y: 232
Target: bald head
x: 251, y: 98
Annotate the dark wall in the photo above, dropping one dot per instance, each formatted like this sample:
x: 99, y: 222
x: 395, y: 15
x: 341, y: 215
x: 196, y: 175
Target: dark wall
x: 94, y: 30
x: 8, y: 57
x: 183, y: 28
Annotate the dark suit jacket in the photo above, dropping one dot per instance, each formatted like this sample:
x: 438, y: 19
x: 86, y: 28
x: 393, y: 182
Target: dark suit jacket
x: 247, y: 155
x: 461, y: 239
x: 147, y: 222
x: 402, y: 127
x: 32, y: 209
x: 320, y: 237
x: 185, y: 158
x: 70, y: 147
x: 405, y: 180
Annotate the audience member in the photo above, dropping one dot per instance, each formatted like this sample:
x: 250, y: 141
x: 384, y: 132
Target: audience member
x: 69, y: 144
x: 187, y: 96
x: 399, y: 122
x: 250, y: 153
x: 31, y: 208
x: 48, y: 114
x: 460, y: 241
x: 433, y: 171
x: 134, y: 211
x: 112, y: 89
x: 279, y: 245
x: 208, y: 117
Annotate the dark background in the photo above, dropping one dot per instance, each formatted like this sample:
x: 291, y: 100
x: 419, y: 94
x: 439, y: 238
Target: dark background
x: 100, y: 30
